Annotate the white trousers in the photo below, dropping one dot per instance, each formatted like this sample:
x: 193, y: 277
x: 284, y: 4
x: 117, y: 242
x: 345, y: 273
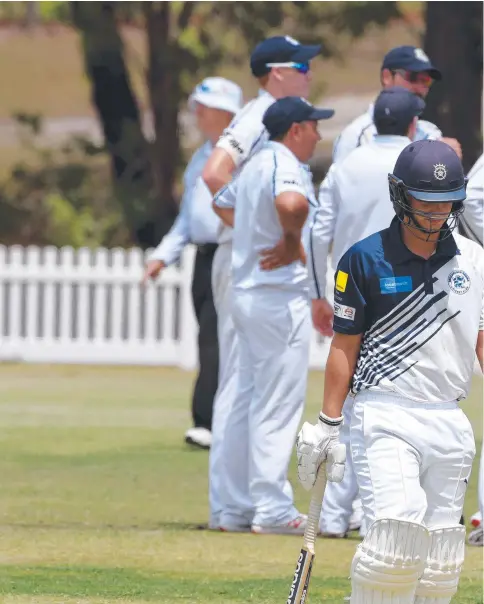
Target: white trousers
x: 273, y: 328
x: 480, y: 492
x: 339, y: 496
x: 412, y: 460
x: 228, y: 364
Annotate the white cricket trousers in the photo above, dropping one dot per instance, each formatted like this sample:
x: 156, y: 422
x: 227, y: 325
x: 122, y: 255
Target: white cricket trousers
x: 228, y: 363
x: 412, y: 460
x: 339, y: 496
x: 273, y: 327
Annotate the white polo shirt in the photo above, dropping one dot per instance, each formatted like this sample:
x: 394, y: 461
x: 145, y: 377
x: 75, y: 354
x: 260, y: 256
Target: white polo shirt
x: 354, y: 202
x: 196, y: 222
x: 472, y: 220
x: 274, y: 170
x: 362, y: 131
x: 244, y: 136
x: 419, y: 318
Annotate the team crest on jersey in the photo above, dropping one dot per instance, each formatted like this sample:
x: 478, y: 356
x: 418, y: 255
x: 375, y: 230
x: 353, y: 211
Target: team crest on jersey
x: 459, y: 281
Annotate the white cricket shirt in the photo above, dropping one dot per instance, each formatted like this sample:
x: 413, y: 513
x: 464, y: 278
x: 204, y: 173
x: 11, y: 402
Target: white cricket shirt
x: 244, y: 136
x: 472, y: 220
x: 274, y: 170
x: 419, y: 318
x: 362, y: 131
x: 354, y: 202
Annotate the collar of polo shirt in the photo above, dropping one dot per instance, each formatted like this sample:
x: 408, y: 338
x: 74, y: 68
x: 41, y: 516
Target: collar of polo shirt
x: 400, y: 252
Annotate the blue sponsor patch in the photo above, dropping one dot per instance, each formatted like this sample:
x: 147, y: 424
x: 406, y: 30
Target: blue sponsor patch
x: 393, y: 285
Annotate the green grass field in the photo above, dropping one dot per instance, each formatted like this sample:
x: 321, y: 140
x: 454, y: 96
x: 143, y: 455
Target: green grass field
x: 100, y: 499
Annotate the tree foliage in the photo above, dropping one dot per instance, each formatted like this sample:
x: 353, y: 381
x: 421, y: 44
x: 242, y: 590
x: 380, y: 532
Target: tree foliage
x: 187, y: 41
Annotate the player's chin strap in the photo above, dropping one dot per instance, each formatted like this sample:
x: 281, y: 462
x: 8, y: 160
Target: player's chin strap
x: 389, y: 563
x: 443, y: 567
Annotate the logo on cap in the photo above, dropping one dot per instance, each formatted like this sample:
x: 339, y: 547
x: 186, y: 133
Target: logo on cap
x: 421, y: 56
x: 440, y: 171
x: 292, y: 41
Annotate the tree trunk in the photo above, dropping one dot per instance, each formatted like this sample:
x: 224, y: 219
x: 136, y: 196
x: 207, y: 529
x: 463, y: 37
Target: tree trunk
x: 118, y: 112
x: 453, y: 41
x: 163, y: 78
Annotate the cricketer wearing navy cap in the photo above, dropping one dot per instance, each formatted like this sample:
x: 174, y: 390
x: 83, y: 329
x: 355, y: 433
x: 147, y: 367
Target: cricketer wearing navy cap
x: 276, y: 63
x: 409, y: 322
x: 395, y: 108
x: 290, y: 110
x: 281, y: 51
x: 408, y: 67
x: 411, y: 59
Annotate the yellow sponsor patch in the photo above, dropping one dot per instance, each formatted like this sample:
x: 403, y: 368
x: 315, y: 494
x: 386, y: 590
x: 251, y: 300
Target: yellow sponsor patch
x: 341, y: 281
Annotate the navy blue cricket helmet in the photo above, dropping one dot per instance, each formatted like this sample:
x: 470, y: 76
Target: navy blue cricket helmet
x: 429, y: 171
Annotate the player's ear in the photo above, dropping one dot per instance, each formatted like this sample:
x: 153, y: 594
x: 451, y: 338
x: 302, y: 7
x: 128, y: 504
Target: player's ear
x: 386, y: 78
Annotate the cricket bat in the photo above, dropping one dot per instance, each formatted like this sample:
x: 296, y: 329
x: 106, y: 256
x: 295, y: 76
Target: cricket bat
x: 302, y: 574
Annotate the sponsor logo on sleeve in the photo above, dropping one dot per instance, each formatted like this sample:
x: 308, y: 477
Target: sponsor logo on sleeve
x: 395, y: 285
x: 344, y: 312
x: 341, y: 281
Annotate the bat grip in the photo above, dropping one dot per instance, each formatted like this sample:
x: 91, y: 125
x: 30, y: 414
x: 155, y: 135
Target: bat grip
x: 314, y: 514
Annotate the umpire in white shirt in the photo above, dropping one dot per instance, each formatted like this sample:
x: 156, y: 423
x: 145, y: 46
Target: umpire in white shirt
x: 354, y: 202
x: 214, y: 102
x: 272, y: 319
x: 410, y: 68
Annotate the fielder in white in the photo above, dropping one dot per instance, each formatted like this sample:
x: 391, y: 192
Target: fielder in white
x: 472, y: 226
x: 409, y: 320
x: 281, y: 65
x: 213, y: 102
x: 408, y: 67
x: 271, y: 313
x: 354, y: 202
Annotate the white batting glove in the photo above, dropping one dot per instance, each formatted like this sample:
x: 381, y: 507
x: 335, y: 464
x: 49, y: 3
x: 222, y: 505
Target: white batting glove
x: 319, y: 443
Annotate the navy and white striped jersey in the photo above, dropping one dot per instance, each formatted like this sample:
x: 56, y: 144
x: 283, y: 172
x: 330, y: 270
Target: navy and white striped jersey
x: 419, y: 318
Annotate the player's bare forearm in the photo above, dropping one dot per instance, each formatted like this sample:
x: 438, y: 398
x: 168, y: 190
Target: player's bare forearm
x: 480, y: 348
x: 226, y: 215
x: 340, y: 368
x: 218, y: 170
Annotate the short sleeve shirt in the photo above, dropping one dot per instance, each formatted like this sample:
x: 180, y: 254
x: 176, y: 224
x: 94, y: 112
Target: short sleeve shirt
x: 419, y: 318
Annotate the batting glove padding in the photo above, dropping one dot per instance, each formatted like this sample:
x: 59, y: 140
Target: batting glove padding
x: 319, y: 443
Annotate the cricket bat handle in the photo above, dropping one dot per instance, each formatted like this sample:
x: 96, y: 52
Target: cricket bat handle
x: 315, y: 506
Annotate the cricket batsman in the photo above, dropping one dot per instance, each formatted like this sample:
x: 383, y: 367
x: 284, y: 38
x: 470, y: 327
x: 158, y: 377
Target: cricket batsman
x: 408, y: 324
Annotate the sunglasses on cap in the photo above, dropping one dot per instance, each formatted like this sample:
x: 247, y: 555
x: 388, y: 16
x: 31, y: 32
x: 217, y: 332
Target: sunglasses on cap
x: 415, y: 77
x: 299, y: 67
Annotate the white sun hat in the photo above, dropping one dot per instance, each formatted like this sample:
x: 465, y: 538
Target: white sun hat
x: 217, y: 93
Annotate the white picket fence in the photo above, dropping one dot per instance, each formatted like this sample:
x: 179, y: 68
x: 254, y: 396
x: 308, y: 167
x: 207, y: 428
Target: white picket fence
x: 87, y: 306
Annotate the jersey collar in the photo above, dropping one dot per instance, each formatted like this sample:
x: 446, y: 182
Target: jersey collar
x: 280, y: 148
x: 399, y: 252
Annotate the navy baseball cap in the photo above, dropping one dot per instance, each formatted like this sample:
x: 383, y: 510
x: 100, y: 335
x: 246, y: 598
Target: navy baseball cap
x: 280, y: 49
x: 431, y: 171
x: 411, y: 59
x: 290, y: 110
x: 395, y: 108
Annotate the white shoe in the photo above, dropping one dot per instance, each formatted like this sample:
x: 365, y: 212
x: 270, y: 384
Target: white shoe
x: 476, y: 537
x: 199, y: 437
x: 294, y: 527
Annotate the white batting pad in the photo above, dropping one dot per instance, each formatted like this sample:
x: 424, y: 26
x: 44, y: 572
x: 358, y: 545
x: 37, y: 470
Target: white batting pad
x: 389, y: 562
x: 444, y: 564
